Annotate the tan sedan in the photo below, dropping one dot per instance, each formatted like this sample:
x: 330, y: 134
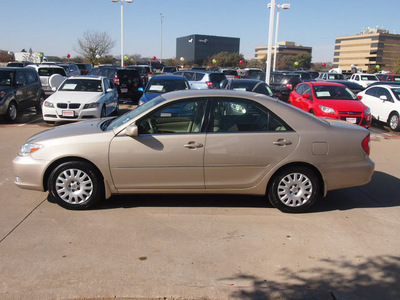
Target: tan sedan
x: 206, y: 141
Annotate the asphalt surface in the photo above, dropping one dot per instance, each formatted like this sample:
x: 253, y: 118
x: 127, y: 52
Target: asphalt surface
x: 201, y: 247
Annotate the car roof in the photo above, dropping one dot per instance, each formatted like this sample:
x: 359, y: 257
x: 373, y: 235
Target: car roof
x: 319, y: 83
x: 90, y: 77
x: 385, y: 85
x: 245, y: 80
x: 170, y: 77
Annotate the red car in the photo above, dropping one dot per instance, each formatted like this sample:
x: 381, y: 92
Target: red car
x: 331, y: 100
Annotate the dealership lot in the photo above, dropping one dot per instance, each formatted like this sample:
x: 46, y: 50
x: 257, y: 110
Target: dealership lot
x: 201, y: 247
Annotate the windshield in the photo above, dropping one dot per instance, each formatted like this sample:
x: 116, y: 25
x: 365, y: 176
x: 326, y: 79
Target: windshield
x: 334, y: 92
x: 81, y: 85
x: 336, y: 76
x: 369, y: 77
x: 160, y: 86
x: 125, y: 118
x: 6, y: 78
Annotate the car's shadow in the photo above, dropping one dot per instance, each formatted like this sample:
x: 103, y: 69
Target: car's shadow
x: 382, y: 191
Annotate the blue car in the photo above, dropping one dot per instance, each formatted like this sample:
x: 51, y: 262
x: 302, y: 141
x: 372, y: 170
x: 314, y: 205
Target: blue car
x: 161, y: 84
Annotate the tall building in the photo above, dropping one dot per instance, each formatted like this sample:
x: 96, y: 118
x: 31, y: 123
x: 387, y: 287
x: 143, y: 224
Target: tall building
x: 283, y: 48
x: 197, y: 48
x: 371, y: 47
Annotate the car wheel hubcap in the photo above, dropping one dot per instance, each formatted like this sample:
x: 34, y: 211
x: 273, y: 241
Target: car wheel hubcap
x: 12, y: 112
x: 74, y: 186
x: 394, y: 122
x: 295, y: 189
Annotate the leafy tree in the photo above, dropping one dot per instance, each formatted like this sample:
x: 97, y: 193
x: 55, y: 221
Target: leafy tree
x: 95, y: 45
x: 5, y: 56
x: 226, y: 59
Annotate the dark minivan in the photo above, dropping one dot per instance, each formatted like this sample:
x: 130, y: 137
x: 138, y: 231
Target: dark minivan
x: 128, y: 82
x: 20, y: 88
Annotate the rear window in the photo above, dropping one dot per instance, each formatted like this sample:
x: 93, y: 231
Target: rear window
x: 126, y: 74
x: 229, y: 72
x: 51, y: 71
x: 217, y: 77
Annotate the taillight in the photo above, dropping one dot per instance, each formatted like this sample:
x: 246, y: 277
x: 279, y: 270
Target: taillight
x: 366, y: 144
x: 236, y: 76
x: 209, y: 84
x: 150, y: 73
x: 289, y: 86
x: 85, y: 72
x: 116, y: 81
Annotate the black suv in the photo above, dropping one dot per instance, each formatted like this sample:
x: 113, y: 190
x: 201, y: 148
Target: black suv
x: 281, y: 83
x: 84, y: 68
x: 20, y: 88
x: 128, y: 82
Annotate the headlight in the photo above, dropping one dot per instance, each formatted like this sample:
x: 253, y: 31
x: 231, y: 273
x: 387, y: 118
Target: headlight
x: 48, y: 104
x: 367, y: 111
x: 28, y: 149
x: 327, y: 110
x: 91, y: 105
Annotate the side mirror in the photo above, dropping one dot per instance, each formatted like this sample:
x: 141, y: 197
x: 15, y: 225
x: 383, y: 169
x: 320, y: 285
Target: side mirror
x: 132, y: 130
x: 359, y: 97
x: 54, y: 89
x: 383, y: 97
x: 140, y: 89
x: 308, y: 96
x: 109, y: 90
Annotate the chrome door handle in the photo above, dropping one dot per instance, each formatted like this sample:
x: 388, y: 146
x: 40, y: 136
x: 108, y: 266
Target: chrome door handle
x: 282, y: 142
x: 193, y: 145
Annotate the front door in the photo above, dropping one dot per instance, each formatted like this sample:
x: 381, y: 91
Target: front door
x: 168, y: 152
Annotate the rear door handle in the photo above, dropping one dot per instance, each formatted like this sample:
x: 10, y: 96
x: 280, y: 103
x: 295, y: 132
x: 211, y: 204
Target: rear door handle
x: 282, y: 142
x: 193, y: 145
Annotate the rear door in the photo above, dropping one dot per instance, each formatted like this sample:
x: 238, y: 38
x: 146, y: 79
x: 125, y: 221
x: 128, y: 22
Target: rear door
x: 244, y: 142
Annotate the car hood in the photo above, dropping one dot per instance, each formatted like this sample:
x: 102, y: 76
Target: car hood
x: 148, y: 96
x: 75, y: 97
x: 6, y: 89
x: 78, y: 129
x: 343, y: 105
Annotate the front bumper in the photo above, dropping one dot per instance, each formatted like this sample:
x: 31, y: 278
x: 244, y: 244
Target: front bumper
x: 29, y: 172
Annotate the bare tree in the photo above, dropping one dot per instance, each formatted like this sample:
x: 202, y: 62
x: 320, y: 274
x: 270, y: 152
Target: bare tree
x: 94, y: 45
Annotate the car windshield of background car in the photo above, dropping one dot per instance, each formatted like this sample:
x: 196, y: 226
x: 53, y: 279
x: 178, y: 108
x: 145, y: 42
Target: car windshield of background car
x: 81, y: 85
x: 51, y: 71
x: 368, y: 77
x: 125, y: 118
x: 160, y: 86
x: 6, y: 78
x: 336, y: 76
x: 334, y: 93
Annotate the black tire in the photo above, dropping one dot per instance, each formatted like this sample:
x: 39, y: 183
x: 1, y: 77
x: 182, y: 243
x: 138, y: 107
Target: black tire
x: 394, y: 121
x: 312, y: 112
x: 38, y: 106
x: 75, y: 185
x: 294, y: 189
x: 12, y: 112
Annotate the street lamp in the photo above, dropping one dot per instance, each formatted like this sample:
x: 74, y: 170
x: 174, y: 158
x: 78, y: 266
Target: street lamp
x: 283, y: 6
x: 122, y: 28
x: 270, y: 35
x: 161, y: 17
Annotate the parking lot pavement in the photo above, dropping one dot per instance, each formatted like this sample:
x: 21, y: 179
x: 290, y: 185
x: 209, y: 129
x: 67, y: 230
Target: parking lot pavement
x: 202, y: 247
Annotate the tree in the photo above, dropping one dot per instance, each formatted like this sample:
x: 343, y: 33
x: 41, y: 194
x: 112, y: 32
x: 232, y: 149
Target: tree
x: 6, y: 56
x: 226, y: 59
x: 94, y: 45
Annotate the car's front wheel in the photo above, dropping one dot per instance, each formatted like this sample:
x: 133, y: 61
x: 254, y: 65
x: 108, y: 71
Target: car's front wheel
x: 75, y: 185
x: 394, y: 122
x: 12, y: 112
x: 294, y: 189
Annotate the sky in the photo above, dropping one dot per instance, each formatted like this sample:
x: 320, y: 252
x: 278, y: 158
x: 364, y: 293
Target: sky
x: 54, y: 26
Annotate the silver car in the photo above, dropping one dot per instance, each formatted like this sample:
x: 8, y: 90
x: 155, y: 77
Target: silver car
x: 208, y: 141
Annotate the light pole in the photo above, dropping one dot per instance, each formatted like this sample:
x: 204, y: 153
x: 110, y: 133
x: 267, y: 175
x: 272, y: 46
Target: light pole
x: 161, y: 17
x: 283, y: 6
x: 122, y: 28
x: 270, y: 35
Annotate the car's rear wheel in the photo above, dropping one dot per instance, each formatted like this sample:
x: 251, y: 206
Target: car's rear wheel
x: 75, y: 185
x: 394, y: 122
x: 294, y: 189
x: 12, y: 112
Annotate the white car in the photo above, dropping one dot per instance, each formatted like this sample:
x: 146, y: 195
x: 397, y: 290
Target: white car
x: 81, y: 98
x: 384, y: 102
x: 51, y: 76
x: 363, y: 79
